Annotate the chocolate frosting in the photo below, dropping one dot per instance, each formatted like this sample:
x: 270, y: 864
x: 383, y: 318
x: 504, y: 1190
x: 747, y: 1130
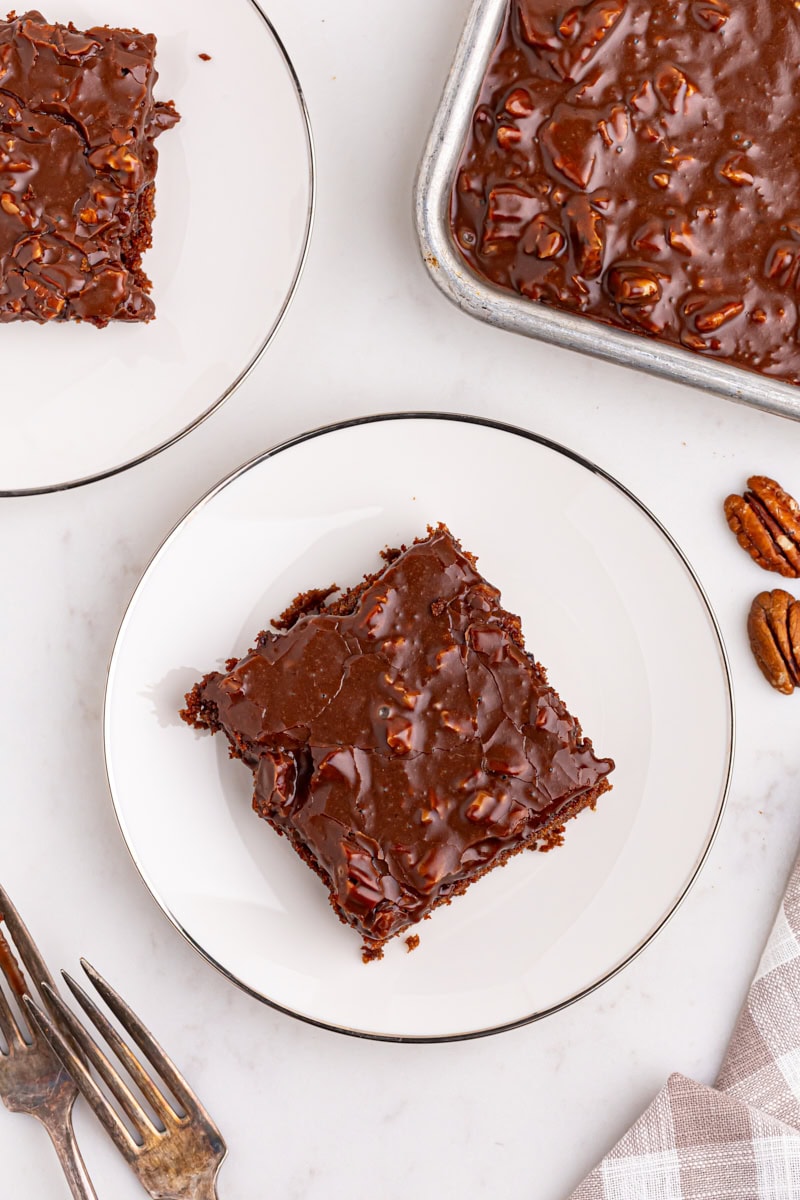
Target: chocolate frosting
x: 403, y: 738
x: 77, y: 168
x: 639, y: 162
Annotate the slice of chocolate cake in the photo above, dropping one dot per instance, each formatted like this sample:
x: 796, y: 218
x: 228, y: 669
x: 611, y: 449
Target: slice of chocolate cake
x: 78, y: 124
x: 401, y: 738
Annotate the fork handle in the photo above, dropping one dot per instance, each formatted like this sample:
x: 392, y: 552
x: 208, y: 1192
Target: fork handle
x: 62, y: 1135
x: 205, y: 1189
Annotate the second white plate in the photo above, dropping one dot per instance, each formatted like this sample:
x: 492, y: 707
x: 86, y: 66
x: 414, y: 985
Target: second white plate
x: 235, y: 197
x: 608, y: 604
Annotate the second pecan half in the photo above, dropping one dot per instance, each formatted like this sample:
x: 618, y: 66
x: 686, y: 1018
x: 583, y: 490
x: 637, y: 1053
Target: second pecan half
x: 766, y: 521
x: 774, y: 630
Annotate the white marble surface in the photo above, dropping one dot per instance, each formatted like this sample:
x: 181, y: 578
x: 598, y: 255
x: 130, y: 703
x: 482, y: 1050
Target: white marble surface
x: 309, y: 1113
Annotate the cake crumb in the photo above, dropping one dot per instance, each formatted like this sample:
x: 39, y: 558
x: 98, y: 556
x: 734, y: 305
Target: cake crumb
x: 412, y: 942
x: 303, y: 605
x: 553, y: 838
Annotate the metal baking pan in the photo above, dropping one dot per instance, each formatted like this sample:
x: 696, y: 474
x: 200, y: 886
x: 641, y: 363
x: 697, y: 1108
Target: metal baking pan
x: 480, y: 299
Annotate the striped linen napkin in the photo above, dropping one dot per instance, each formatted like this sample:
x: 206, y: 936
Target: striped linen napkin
x: 739, y: 1140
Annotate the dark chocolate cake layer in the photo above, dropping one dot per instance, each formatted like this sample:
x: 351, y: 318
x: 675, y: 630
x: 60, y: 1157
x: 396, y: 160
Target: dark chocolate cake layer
x: 78, y: 124
x: 401, y: 737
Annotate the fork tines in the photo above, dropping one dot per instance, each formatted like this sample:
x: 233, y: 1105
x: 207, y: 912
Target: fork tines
x: 12, y: 972
x: 78, y: 1050
x: 25, y: 946
x: 10, y: 1030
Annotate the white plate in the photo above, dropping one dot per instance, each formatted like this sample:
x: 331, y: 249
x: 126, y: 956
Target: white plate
x: 235, y: 191
x: 608, y: 604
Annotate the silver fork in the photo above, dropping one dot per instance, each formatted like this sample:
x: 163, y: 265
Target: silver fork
x: 175, y: 1156
x: 32, y: 1080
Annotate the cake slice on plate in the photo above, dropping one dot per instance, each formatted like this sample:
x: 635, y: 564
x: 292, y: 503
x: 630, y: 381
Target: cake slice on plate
x: 401, y: 737
x: 78, y: 124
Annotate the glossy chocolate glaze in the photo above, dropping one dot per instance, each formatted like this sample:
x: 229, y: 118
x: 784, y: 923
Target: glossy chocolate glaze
x: 639, y: 162
x: 77, y: 170
x: 402, y: 738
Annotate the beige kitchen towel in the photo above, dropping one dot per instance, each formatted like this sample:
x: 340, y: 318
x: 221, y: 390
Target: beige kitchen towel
x: 739, y: 1140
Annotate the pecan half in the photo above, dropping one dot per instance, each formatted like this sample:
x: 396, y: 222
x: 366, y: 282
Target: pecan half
x: 710, y: 15
x: 783, y: 263
x: 766, y: 521
x: 774, y: 630
x: 543, y: 239
x: 633, y: 285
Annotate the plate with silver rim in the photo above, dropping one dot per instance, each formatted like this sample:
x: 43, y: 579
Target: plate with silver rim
x: 609, y: 605
x: 235, y: 198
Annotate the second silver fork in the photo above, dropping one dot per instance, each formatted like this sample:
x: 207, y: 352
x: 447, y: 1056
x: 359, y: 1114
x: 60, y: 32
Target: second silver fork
x: 175, y: 1150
